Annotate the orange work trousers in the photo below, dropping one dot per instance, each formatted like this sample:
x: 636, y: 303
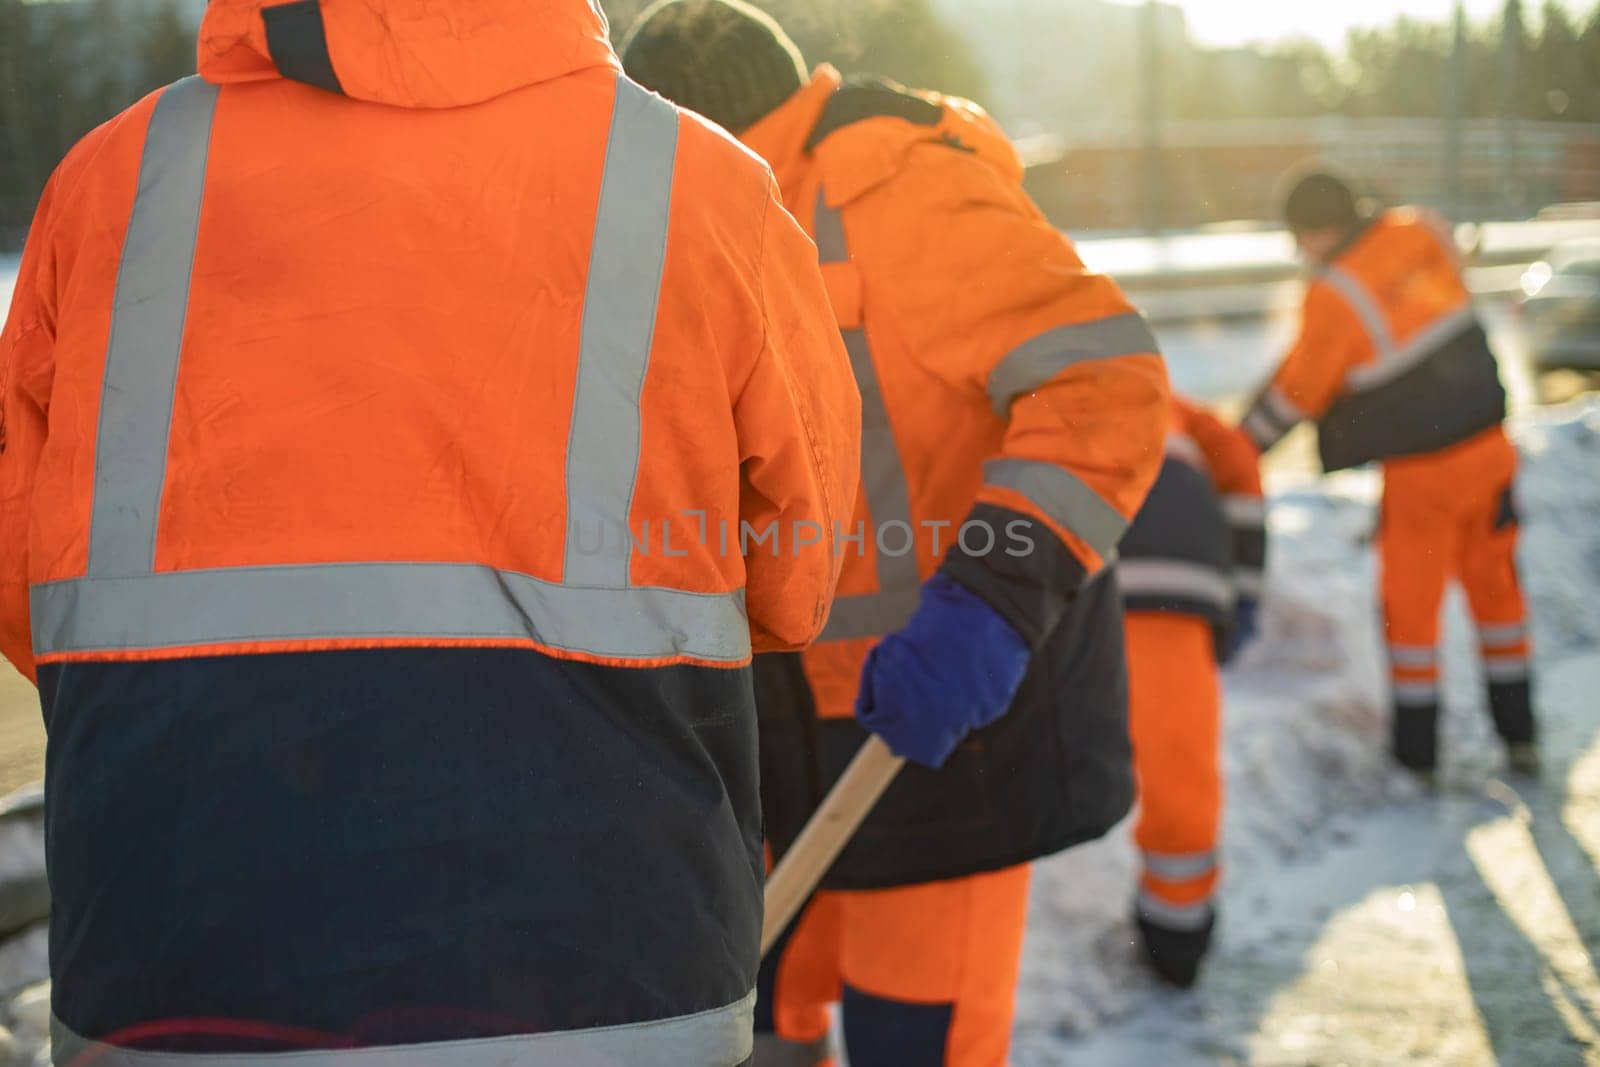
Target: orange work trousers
x: 1450, y: 515
x: 1175, y: 722
x: 926, y: 975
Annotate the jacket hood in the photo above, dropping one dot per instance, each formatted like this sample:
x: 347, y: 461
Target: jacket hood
x: 407, y: 53
x: 869, y: 146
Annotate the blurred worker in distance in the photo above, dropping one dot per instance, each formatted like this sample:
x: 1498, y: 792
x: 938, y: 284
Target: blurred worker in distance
x: 1191, y: 573
x: 1014, y: 406
x: 1394, y: 366
x: 336, y: 381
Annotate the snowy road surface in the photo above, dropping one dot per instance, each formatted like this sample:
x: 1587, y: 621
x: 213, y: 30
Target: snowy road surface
x: 1365, y: 921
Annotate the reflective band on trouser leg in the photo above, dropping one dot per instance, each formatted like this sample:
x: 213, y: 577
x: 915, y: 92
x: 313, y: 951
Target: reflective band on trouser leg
x: 1175, y: 578
x: 148, y: 312
x: 1414, y: 657
x: 123, y: 605
x: 1179, y: 866
x: 1063, y: 497
x: 1035, y: 362
x: 1504, y: 647
x: 1174, y: 916
x: 717, y: 1038
x: 774, y: 1051
x: 883, y: 479
x: 619, y: 315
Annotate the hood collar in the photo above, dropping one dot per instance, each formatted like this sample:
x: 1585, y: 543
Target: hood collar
x: 406, y: 53
x: 863, y: 154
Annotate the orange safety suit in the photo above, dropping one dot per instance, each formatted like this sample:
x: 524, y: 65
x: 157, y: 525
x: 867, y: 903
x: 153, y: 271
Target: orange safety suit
x: 377, y: 406
x: 1194, y: 552
x: 1009, y: 396
x: 1395, y: 366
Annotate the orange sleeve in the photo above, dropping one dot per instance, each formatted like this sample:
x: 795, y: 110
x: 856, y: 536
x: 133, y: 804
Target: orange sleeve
x: 1057, y: 351
x: 799, y: 425
x: 1331, y: 341
x: 1234, y: 459
x: 27, y: 367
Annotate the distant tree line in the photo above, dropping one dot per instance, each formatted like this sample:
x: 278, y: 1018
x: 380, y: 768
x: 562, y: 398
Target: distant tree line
x: 65, y: 67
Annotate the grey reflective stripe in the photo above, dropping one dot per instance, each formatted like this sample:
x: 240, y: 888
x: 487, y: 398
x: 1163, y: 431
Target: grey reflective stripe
x: 883, y: 476
x: 1180, y: 866
x: 774, y: 1051
x: 831, y: 244
x: 1174, y: 916
x: 1360, y: 301
x: 870, y: 614
x: 1416, y: 694
x: 1182, y: 447
x: 626, y: 261
x: 717, y: 1038
x: 1062, y: 496
x: 1249, y: 582
x: 1503, y: 634
x: 1415, y: 657
x: 1262, y: 430
x: 1506, y: 667
x: 1283, y: 410
x: 333, y: 601
x: 1035, y: 362
x: 1272, y: 416
x: 1244, y: 510
x: 1438, y: 333
x: 150, y: 305
x: 1173, y: 577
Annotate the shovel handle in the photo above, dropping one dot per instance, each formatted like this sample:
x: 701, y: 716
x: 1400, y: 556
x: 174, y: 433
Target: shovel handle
x: 830, y: 828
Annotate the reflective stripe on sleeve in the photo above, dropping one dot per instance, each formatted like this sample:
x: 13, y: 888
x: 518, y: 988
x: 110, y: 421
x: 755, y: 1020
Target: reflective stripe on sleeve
x: 1062, y: 496
x: 1182, y: 447
x: 619, y: 314
x: 1406, y: 356
x: 720, y: 1037
x: 1037, y: 361
x: 149, y: 308
x: 1272, y: 416
x: 1179, y: 866
x: 383, y: 601
x: 1249, y: 582
x: 1177, y: 578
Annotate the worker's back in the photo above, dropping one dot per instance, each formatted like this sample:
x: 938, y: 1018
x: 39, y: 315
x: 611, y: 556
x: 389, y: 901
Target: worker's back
x: 330, y: 410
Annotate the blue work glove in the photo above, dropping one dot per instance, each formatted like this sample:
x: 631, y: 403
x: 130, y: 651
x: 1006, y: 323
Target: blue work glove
x: 1246, y: 625
x: 955, y: 667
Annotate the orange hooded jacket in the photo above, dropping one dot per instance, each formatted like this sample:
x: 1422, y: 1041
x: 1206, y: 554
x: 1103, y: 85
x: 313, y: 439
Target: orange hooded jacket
x: 333, y: 379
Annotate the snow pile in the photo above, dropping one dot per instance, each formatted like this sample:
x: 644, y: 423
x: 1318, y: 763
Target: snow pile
x: 1305, y: 736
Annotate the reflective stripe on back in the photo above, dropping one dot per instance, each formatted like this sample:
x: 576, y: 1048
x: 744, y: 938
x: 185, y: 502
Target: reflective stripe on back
x: 720, y: 1037
x: 619, y: 314
x: 1365, y: 307
x: 123, y: 604
x: 148, y: 313
x: 383, y: 601
x: 1391, y: 357
x: 883, y: 477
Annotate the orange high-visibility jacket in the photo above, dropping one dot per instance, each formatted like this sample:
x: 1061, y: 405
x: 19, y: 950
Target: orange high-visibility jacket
x: 1391, y: 359
x: 1014, y: 406
x: 1198, y: 545
x: 381, y: 408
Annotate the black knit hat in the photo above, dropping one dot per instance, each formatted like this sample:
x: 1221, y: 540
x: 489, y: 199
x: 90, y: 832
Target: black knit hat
x: 723, y: 58
x: 1319, y: 199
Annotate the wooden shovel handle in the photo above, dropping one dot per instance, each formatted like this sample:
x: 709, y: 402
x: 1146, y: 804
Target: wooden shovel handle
x: 844, y: 808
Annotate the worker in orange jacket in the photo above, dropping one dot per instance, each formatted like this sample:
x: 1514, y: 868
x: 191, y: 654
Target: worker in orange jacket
x: 1395, y: 368
x: 365, y: 399
x: 1013, y: 410
x: 1191, y: 574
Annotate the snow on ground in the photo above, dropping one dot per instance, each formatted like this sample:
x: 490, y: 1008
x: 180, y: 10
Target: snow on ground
x: 1364, y: 920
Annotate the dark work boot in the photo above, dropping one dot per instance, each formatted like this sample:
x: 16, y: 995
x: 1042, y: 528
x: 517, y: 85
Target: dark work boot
x: 1415, y: 737
x: 1511, y: 704
x: 1175, y: 954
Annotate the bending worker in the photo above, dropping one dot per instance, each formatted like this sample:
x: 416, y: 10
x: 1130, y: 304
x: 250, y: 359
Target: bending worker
x: 1395, y: 368
x: 1013, y: 407
x: 343, y: 388
x: 1191, y: 575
